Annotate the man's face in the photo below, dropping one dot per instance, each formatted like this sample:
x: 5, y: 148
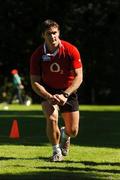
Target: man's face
x: 51, y: 36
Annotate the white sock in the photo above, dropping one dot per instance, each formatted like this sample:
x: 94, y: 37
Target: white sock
x: 56, y: 148
x: 65, y: 135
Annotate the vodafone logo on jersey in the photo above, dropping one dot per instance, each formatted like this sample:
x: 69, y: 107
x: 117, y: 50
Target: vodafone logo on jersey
x: 55, y: 67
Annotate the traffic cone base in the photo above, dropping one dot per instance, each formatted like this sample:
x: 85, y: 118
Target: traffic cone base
x: 14, y: 133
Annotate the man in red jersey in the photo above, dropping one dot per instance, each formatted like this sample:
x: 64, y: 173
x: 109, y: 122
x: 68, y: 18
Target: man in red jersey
x: 56, y: 74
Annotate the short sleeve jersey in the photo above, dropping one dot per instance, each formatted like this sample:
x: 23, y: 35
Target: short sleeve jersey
x: 57, y: 69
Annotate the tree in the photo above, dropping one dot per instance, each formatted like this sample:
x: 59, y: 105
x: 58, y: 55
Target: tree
x: 93, y: 26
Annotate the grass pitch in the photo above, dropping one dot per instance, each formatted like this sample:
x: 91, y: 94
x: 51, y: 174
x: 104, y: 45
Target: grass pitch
x: 94, y: 153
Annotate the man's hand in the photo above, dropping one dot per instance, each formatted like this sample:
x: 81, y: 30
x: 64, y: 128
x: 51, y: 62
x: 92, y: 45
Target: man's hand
x: 21, y: 86
x: 53, y: 100
x: 61, y: 99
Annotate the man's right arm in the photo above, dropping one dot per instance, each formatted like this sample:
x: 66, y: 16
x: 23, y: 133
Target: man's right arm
x: 41, y: 91
x: 38, y: 88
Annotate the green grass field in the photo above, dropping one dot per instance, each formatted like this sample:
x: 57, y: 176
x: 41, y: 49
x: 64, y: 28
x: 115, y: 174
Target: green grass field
x: 94, y: 153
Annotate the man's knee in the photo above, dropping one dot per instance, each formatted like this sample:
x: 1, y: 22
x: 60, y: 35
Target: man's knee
x: 52, y: 121
x: 74, y: 132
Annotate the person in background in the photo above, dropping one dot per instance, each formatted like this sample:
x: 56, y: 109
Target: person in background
x: 56, y: 72
x: 17, y: 87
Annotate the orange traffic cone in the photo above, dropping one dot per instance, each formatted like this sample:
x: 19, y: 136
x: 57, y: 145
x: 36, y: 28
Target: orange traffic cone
x: 14, y: 133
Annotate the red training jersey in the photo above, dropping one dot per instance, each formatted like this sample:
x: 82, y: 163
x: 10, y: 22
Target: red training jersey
x: 56, y: 69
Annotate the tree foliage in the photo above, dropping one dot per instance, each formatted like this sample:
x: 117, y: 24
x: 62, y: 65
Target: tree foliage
x: 93, y: 26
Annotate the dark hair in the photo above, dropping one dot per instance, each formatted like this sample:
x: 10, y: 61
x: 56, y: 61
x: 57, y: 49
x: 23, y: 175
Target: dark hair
x: 47, y: 24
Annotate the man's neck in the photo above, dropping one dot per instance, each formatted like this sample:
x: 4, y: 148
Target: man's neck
x: 51, y: 50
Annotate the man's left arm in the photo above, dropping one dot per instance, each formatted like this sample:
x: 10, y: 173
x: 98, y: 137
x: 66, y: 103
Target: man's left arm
x: 76, y: 82
x: 73, y: 87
